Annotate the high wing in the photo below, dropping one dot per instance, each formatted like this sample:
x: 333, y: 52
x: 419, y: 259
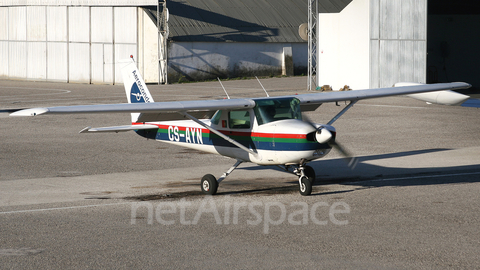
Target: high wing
x: 153, y: 111
x: 433, y: 90
x: 147, y: 108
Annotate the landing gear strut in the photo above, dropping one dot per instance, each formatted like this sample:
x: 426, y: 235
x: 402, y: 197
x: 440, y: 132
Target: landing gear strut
x: 209, y: 184
x: 306, y: 179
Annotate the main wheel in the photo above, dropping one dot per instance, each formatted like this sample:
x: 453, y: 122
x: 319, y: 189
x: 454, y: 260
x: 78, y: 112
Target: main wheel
x: 310, y: 173
x: 305, y: 186
x: 209, y: 184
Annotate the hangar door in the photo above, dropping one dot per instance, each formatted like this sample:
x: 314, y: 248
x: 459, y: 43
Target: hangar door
x: 453, y: 41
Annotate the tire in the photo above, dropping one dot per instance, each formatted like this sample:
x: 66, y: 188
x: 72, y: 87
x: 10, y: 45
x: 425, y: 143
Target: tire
x: 209, y: 184
x: 305, y: 186
x: 310, y: 173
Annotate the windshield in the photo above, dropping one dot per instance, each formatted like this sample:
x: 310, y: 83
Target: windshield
x: 270, y: 110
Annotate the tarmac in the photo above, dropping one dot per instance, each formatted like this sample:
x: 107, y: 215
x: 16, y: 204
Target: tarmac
x: 69, y: 199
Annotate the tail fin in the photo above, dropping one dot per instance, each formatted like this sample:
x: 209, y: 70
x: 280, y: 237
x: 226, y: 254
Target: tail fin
x: 135, y: 88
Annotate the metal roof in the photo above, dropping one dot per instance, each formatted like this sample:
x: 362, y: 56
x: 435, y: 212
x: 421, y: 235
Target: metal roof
x: 332, y: 6
x: 240, y: 20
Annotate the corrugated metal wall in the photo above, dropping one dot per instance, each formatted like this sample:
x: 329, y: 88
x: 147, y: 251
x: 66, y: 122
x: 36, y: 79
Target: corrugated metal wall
x: 125, y: 37
x: 398, y: 38
x: 190, y: 61
x: 57, y: 44
x: 68, y: 44
x: 147, y: 47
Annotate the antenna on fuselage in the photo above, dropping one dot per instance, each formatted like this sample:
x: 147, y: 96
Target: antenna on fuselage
x: 223, y: 88
x: 262, y: 86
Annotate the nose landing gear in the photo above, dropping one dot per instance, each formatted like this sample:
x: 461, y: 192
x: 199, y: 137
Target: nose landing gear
x: 306, y: 179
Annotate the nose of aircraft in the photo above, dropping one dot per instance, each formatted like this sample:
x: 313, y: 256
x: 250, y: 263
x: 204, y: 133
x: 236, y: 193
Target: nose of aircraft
x: 323, y: 135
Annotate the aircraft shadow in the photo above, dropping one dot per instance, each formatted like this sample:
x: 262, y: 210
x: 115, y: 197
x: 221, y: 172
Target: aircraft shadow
x: 335, y: 171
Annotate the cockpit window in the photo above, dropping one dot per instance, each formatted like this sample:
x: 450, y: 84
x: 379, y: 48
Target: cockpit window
x: 239, y: 119
x: 270, y: 110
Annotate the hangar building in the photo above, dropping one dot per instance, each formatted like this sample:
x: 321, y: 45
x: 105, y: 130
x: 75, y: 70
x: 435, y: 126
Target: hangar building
x: 66, y: 41
x: 362, y: 43
x: 84, y: 40
x: 376, y: 43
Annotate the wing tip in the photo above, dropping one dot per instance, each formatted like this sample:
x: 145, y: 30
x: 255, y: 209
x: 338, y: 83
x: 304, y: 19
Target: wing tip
x: 29, y: 112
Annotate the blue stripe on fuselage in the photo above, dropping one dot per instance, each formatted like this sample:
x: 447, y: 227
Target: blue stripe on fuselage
x: 214, y: 140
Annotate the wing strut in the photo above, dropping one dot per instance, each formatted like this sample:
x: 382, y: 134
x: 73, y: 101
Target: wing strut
x: 223, y: 136
x: 350, y: 105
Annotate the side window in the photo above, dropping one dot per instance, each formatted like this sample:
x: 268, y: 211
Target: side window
x: 216, y: 117
x: 239, y: 119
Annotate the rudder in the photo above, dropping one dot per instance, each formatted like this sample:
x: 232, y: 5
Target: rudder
x: 135, y: 87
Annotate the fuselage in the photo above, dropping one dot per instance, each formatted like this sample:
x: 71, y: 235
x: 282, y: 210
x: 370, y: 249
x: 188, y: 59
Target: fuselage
x: 279, y: 142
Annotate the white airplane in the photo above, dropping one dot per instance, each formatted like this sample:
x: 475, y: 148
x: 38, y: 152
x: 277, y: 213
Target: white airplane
x: 265, y: 131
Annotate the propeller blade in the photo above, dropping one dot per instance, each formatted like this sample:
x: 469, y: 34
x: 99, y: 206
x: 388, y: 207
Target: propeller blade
x: 307, y: 120
x: 347, y: 156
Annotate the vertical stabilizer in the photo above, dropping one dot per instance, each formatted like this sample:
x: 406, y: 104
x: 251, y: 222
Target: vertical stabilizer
x: 135, y: 88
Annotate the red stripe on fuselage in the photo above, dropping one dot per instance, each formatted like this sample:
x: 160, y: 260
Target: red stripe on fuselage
x: 238, y: 133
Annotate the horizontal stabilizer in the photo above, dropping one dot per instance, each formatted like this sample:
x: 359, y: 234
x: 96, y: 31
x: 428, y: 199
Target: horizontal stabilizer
x: 118, y: 128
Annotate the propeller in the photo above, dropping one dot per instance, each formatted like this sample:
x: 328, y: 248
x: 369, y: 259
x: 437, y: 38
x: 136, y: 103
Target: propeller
x: 347, y: 156
x: 323, y: 135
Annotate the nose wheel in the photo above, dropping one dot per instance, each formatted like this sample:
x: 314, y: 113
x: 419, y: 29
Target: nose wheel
x: 305, y: 186
x: 306, y: 179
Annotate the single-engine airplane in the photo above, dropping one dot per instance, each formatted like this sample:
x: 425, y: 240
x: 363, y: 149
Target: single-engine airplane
x: 265, y: 131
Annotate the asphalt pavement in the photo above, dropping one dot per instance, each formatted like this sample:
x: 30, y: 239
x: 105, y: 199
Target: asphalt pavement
x: 70, y: 200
